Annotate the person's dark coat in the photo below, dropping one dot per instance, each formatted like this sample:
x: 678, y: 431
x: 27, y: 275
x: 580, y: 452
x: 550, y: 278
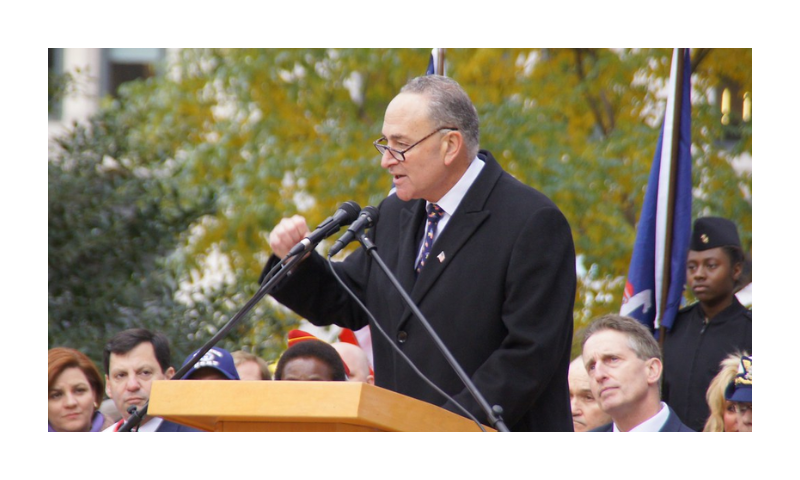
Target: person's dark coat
x: 673, y: 424
x: 693, y: 351
x: 498, y: 288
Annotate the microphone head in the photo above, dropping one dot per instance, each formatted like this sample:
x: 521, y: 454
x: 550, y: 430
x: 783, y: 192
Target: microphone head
x: 349, y: 212
x: 372, y: 213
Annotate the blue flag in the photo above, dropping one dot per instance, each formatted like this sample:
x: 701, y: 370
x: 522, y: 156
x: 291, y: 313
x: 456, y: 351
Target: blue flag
x: 657, y: 273
x: 436, y: 63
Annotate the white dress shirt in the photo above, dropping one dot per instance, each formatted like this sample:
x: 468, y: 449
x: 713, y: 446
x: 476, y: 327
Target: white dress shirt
x: 450, y: 201
x: 652, y: 424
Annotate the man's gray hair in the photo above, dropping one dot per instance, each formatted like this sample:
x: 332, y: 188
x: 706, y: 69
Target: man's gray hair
x: 449, y: 106
x: 640, y: 339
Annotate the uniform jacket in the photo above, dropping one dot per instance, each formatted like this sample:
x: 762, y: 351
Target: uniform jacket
x: 693, y: 351
x: 498, y: 288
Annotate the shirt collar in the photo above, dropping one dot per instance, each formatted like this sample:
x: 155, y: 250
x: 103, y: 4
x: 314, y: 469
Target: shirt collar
x: 151, y: 425
x: 450, y: 201
x: 652, y: 424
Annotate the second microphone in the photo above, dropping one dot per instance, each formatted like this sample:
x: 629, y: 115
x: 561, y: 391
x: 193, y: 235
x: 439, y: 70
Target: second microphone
x: 366, y: 219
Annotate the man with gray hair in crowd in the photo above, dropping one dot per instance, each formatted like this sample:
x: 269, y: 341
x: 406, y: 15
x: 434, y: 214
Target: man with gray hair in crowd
x: 623, y: 361
x: 586, y: 412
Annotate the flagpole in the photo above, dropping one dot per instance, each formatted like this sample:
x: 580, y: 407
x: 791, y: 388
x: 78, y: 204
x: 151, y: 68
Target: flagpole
x: 674, y: 142
x: 656, y: 277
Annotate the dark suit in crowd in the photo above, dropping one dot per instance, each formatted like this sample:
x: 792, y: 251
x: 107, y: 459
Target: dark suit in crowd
x: 673, y: 424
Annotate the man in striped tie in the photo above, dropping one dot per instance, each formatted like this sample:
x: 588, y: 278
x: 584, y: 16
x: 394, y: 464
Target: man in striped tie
x: 489, y: 261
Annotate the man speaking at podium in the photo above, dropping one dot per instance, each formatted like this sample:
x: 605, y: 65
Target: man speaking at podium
x: 489, y: 261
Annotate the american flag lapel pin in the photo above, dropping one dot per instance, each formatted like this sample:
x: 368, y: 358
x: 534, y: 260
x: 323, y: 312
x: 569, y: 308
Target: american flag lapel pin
x: 440, y: 257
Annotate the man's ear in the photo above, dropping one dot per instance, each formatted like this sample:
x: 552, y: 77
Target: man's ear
x: 452, y: 145
x: 654, y: 367
x: 169, y: 373
x: 108, y: 387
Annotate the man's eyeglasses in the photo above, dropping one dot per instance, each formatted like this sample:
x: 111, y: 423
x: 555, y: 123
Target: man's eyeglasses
x: 399, y: 155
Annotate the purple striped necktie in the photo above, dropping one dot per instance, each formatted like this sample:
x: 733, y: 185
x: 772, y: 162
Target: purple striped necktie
x: 435, y: 213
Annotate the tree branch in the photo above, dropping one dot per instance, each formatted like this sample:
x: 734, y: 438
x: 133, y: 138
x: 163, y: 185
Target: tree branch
x: 593, y: 102
x: 699, y: 55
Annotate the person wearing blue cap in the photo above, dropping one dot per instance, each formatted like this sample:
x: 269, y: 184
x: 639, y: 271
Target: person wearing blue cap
x: 705, y: 332
x: 740, y: 392
x: 216, y: 364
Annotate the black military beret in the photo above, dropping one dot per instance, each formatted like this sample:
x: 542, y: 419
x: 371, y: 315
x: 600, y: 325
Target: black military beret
x: 713, y: 232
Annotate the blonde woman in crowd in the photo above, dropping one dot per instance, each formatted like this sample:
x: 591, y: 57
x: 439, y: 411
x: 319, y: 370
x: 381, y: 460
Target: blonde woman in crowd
x: 723, y: 412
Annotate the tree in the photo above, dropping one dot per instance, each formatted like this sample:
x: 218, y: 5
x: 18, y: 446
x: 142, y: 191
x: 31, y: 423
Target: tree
x: 113, y: 216
x: 270, y: 133
x: 582, y: 124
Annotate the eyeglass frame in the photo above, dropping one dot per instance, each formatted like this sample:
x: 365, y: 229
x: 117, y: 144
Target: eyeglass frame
x: 383, y: 148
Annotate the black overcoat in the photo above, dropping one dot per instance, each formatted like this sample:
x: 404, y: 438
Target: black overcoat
x: 499, y: 289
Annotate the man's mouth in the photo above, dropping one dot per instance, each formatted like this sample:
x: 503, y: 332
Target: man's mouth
x: 606, y: 390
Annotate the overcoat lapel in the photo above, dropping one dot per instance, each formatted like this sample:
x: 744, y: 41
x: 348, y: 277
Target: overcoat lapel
x: 469, y: 216
x: 410, y: 219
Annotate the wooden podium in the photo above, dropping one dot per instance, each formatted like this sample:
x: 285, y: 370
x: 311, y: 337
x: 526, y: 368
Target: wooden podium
x: 284, y: 406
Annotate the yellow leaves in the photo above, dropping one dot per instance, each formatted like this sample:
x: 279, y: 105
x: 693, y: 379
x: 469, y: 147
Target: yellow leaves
x: 276, y: 132
x: 733, y: 64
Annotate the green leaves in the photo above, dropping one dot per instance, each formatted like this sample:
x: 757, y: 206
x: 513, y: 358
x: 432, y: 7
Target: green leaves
x: 199, y: 164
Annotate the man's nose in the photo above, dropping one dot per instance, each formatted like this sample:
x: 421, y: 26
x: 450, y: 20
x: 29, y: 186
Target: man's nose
x: 133, y: 383
x: 599, y: 371
x: 388, y: 160
x: 576, y: 409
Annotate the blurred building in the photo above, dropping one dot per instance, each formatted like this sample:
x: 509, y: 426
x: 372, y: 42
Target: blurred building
x: 94, y: 74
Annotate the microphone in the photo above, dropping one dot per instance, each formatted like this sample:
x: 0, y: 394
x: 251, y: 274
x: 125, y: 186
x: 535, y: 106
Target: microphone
x: 345, y: 215
x: 366, y: 219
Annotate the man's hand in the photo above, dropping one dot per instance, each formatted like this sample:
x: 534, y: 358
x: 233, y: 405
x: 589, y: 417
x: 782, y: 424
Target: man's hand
x: 286, y: 234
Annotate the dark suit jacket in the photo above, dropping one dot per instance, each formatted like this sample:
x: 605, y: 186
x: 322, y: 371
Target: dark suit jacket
x: 673, y: 424
x: 501, y: 300
x: 167, y: 426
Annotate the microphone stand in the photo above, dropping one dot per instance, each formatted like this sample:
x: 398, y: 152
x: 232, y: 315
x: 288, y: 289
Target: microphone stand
x: 287, y: 264
x: 493, y: 414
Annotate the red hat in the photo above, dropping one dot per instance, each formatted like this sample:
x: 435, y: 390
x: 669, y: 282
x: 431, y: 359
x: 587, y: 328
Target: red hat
x: 348, y: 336
x: 297, y: 336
